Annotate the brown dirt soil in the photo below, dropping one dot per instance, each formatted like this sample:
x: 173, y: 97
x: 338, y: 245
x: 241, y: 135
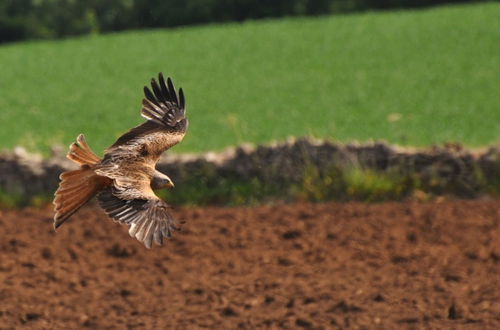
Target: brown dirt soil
x: 406, y: 265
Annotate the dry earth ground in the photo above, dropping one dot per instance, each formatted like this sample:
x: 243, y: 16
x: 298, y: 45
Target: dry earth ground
x: 432, y: 265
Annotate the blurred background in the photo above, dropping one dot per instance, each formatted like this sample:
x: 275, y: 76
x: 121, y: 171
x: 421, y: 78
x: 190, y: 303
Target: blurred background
x: 338, y: 102
x: 409, y: 72
x: 45, y: 19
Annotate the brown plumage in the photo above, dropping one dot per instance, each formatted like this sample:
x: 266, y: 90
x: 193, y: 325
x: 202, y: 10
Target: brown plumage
x: 124, y: 179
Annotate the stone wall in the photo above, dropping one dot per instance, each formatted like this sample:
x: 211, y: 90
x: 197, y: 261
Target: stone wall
x: 28, y: 175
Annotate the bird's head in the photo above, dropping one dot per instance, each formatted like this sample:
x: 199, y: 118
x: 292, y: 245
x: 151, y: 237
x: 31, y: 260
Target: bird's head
x: 168, y: 183
x: 161, y: 181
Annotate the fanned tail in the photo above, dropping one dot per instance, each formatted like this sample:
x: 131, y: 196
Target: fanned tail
x: 80, y: 152
x: 75, y: 189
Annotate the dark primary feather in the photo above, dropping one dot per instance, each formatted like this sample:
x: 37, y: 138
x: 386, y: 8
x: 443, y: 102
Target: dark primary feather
x: 157, y: 92
x: 149, y: 219
x: 171, y: 88
x: 182, y: 101
x: 150, y: 95
x: 164, y: 111
x: 164, y: 88
x: 163, y: 105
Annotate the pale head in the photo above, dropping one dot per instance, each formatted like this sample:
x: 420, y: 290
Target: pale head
x: 160, y: 181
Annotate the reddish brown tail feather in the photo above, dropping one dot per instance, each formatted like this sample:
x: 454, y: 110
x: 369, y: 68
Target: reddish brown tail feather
x: 79, y: 186
x: 80, y: 152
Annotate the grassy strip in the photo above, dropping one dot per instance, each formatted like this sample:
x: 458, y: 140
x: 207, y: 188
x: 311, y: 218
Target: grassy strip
x: 411, y: 78
x: 334, y: 184
x: 10, y: 201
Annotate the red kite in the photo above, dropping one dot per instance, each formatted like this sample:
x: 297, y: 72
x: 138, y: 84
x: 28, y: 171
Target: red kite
x: 124, y: 179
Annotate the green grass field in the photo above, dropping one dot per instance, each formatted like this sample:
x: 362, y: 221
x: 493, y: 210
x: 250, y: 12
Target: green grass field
x: 409, y: 77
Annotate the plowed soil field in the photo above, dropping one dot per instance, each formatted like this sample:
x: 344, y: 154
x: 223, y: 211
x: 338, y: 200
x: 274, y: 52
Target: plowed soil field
x: 433, y: 265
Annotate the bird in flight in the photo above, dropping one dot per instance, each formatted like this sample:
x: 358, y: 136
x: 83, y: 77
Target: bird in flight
x: 124, y: 180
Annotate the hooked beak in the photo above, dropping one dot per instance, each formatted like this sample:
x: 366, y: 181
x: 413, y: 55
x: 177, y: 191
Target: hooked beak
x: 169, y: 184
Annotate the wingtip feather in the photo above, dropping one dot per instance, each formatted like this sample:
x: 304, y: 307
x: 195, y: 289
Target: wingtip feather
x: 149, y: 95
x: 172, y: 91
x: 182, y: 100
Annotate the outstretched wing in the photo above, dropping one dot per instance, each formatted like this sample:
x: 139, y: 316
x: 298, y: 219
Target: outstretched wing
x: 130, y: 162
x: 148, y: 216
x: 165, y: 111
x: 164, y: 106
x: 131, y: 200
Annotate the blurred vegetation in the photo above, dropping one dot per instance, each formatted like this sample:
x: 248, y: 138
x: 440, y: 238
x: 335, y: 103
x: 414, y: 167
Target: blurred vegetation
x: 299, y: 170
x: 338, y: 184
x: 8, y: 200
x: 411, y: 78
x: 40, y: 19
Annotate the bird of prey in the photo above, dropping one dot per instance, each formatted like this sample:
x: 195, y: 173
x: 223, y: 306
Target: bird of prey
x: 124, y: 179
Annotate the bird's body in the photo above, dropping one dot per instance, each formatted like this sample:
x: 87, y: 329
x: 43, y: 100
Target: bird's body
x: 124, y: 179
